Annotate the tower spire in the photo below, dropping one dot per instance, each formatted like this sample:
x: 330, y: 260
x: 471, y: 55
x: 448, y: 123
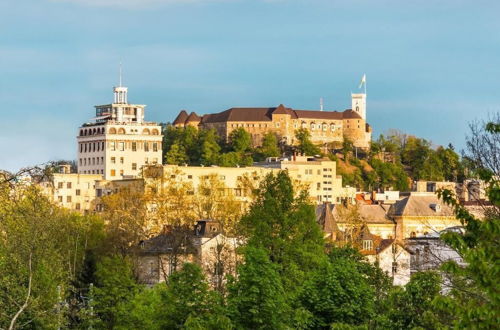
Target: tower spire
x: 120, y: 85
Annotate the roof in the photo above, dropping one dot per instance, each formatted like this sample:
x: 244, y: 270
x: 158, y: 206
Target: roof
x: 193, y: 117
x: 375, y: 213
x: 181, y: 118
x: 265, y: 114
x: 423, y: 205
x: 325, y: 218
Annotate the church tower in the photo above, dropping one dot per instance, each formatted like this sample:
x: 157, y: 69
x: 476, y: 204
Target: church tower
x: 359, y: 104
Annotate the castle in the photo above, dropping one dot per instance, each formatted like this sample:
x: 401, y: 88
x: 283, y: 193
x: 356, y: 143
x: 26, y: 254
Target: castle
x: 326, y: 127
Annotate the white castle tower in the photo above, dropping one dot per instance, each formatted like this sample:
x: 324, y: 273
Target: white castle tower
x: 118, y: 142
x: 359, y: 104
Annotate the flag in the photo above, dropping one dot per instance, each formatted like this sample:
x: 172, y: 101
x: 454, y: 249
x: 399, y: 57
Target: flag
x: 363, y: 81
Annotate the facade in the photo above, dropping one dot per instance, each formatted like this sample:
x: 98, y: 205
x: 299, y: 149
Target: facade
x: 204, y: 244
x: 318, y: 176
x: 325, y: 126
x: 415, y: 215
x: 118, y: 142
x: 73, y: 191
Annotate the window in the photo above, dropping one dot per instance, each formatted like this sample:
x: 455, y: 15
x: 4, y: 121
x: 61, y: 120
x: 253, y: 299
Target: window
x: 312, y: 126
x: 121, y: 160
x: 77, y: 206
x: 190, y: 176
x: 155, y: 146
x: 60, y: 185
x: 59, y: 199
x: 112, y: 145
x: 146, y: 146
x: 146, y: 161
x: 77, y: 192
x: 394, y: 267
x: 121, y: 172
x: 367, y: 245
x: 325, y: 127
x: 113, y: 160
x: 81, y: 147
x: 277, y: 124
x: 68, y: 199
x: 134, y: 146
x: 121, y: 146
x: 113, y: 173
x: 155, y: 160
x: 134, y: 166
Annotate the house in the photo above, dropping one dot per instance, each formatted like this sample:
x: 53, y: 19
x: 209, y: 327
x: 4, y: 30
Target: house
x: 205, y: 245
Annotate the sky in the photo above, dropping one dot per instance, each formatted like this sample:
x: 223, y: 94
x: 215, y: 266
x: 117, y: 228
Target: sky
x: 432, y: 66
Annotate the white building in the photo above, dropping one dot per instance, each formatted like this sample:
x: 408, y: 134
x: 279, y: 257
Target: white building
x: 118, y: 142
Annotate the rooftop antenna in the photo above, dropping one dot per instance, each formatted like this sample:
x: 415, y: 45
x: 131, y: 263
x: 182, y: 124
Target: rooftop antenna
x: 320, y: 104
x: 120, y: 74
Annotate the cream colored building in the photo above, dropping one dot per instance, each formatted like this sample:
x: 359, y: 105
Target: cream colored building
x: 318, y: 176
x: 118, y: 142
x: 76, y: 192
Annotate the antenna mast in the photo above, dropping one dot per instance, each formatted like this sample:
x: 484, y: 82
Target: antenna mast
x: 320, y: 104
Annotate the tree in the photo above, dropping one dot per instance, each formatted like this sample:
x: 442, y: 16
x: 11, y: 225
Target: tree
x: 338, y: 293
x: 270, y: 147
x: 209, y: 147
x: 474, y: 284
x: 240, y: 140
x: 115, y: 285
x: 305, y: 146
x: 176, y: 155
x: 413, y: 307
x: 257, y: 298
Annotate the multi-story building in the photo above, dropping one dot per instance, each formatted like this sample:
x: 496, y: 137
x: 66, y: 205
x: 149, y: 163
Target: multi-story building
x: 326, y: 127
x: 118, y: 142
x: 73, y: 191
x: 318, y: 176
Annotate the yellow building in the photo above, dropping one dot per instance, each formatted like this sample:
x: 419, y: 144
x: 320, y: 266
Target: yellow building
x: 325, y: 126
x: 73, y: 191
x: 318, y: 176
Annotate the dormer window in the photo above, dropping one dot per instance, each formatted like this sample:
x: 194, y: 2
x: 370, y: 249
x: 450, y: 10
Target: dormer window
x: 367, y: 245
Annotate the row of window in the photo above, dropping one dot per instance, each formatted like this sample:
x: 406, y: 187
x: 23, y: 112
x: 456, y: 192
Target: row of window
x: 92, y: 172
x: 120, y: 146
x: 91, y: 161
x: 113, y: 130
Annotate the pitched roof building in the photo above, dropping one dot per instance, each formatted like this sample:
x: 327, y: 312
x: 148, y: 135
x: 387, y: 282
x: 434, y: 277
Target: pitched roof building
x: 325, y: 126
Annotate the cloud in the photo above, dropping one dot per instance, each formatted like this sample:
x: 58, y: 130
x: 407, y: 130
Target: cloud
x: 136, y: 3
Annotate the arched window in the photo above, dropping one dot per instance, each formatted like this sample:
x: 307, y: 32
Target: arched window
x: 313, y: 126
x: 145, y: 131
x: 112, y: 130
x: 121, y: 130
x: 304, y: 124
x: 155, y: 132
x: 81, y: 132
x: 332, y: 127
x: 94, y: 131
x: 325, y: 126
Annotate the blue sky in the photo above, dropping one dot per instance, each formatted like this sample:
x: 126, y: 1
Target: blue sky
x: 432, y: 66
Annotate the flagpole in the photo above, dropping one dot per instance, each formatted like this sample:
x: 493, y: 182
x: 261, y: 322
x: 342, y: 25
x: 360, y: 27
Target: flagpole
x: 365, y: 86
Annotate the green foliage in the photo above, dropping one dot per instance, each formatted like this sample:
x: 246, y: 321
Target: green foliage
x: 389, y: 175
x: 176, y: 155
x: 240, y: 140
x: 257, y: 298
x: 270, y: 146
x: 338, y: 293
x: 210, y: 148
x: 413, y: 307
x: 42, y: 249
x: 305, y: 145
x: 115, y: 285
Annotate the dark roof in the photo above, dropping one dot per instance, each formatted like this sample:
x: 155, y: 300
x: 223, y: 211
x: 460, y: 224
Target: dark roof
x: 193, y: 117
x: 325, y: 218
x: 281, y: 110
x: 349, y: 114
x: 420, y: 205
x: 374, y: 213
x: 265, y: 114
x: 181, y: 118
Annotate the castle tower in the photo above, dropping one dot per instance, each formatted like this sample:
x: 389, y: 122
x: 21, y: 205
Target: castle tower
x: 359, y: 104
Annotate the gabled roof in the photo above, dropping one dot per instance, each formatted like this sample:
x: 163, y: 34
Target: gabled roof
x: 265, y: 114
x: 193, y: 117
x: 375, y: 213
x: 421, y: 205
x: 181, y: 118
x: 325, y: 218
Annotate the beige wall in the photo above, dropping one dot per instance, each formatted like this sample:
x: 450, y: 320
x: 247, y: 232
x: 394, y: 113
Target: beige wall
x: 120, y: 151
